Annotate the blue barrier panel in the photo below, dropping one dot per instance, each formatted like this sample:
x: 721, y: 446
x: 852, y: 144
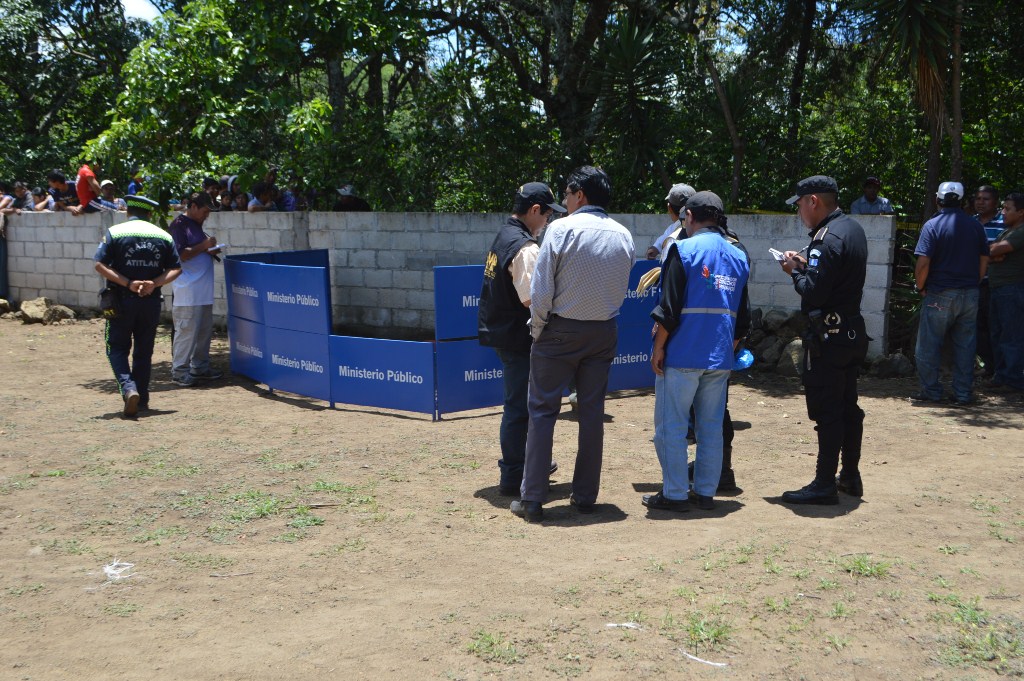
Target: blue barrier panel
x: 631, y: 367
x: 248, y: 349
x: 296, y: 298
x: 457, y: 301
x: 297, y: 362
x: 382, y: 373
x: 636, y: 308
x: 468, y: 376
x: 319, y: 257
x: 243, y: 285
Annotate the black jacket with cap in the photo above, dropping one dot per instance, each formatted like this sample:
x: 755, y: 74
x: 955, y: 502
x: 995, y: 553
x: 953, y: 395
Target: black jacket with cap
x: 837, y: 259
x: 503, y: 320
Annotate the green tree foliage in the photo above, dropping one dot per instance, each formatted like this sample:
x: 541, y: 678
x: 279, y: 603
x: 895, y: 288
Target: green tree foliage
x: 62, y: 69
x: 433, y: 105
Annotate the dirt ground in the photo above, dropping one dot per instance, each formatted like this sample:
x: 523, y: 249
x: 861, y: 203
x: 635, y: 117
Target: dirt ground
x: 275, y: 538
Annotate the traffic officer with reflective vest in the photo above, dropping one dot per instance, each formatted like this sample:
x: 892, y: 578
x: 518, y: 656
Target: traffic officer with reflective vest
x: 704, y: 292
x: 136, y: 257
x: 504, y: 317
x: 830, y: 282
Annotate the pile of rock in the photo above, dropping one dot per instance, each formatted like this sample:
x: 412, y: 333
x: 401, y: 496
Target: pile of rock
x: 37, y: 311
x: 775, y: 341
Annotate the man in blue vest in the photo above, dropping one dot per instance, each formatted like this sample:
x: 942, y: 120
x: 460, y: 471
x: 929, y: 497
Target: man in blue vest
x: 504, y: 319
x: 137, y: 258
x: 704, y: 281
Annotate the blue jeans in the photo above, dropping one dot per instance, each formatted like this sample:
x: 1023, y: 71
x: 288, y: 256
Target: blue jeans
x: 953, y: 311
x: 515, y: 419
x: 674, y: 392
x: 1006, y: 323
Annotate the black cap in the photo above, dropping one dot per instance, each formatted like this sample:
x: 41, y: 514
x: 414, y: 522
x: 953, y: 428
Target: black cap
x: 705, y: 200
x: 816, y: 184
x: 873, y: 180
x: 539, y: 193
x: 141, y: 203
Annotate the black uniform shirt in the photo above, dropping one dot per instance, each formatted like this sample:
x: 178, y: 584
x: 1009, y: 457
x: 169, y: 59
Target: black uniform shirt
x: 837, y: 262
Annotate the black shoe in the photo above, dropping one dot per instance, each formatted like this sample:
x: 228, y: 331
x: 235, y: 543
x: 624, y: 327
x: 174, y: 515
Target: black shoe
x: 509, y: 491
x: 922, y: 398
x: 957, y: 402
x: 702, y: 502
x: 663, y: 503
x: 823, y: 493
x: 580, y: 506
x: 531, y: 511
x: 851, y: 485
x: 726, y: 483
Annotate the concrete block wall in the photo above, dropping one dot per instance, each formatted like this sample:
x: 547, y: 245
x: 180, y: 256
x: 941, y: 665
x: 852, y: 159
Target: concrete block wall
x: 382, y: 263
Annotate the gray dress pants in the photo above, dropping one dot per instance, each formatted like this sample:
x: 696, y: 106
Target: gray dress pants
x: 567, y: 349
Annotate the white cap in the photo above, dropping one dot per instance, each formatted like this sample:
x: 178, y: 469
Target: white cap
x: 104, y: 183
x: 950, y: 188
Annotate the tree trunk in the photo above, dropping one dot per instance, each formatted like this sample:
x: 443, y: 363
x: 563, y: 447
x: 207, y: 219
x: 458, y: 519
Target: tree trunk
x: 738, y: 144
x: 336, y: 93
x: 931, y: 182
x: 956, y: 155
x: 797, y: 82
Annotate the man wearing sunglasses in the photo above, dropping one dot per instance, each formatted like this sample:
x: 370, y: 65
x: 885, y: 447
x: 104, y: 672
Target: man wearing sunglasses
x: 504, y: 319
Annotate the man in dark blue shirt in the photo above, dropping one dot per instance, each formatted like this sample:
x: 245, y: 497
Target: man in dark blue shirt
x: 952, y: 256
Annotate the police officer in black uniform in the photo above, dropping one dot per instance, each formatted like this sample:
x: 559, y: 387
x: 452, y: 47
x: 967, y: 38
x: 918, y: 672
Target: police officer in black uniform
x: 504, y: 317
x: 136, y: 257
x: 830, y: 282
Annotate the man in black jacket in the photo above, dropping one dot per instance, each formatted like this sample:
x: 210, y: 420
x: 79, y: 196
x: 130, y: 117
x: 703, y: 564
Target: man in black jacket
x: 830, y: 283
x: 505, y: 316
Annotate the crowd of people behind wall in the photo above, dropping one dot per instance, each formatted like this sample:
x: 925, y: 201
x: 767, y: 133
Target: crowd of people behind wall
x: 87, y: 194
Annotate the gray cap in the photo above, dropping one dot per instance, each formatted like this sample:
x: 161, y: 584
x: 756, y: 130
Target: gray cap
x: 815, y: 184
x: 679, y: 193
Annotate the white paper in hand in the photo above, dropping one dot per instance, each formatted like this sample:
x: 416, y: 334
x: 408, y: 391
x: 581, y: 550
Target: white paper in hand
x: 778, y: 255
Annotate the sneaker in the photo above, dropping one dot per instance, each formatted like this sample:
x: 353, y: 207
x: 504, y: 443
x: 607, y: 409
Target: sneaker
x: 131, y: 403
x: 822, y: 493
x: 209, y: 375
x: 186, y: 381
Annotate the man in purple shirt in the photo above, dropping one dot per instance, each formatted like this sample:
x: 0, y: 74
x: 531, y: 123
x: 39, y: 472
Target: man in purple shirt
x: 193, y: 294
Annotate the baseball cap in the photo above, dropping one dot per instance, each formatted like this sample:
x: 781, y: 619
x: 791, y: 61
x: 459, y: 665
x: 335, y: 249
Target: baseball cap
x: 106, y: 183
x: 679, y: 193
x: 873, y: 180
x: 815, y: 184
x: 346, y: 190
x: 705, y: 200
x: 141, y: 202
x: 947, y: 188
x: 539, y: 193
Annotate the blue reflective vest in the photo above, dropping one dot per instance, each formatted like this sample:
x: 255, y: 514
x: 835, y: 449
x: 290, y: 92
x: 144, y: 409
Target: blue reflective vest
x: 716, y: 272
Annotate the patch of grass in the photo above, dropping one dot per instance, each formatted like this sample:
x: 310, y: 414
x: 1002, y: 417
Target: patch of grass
x: 493, y: 648
x: 54, y: 474
x: 16, y: 483
x: 198, y: 561
x: 687, y: 593
x: 570, y: 595
x: 708, y: 631
x: 159, y: 535
x: 970, y: 571
x: 302, y: 517
x: 291, y: 537
x: 121, y: 609
x: 996, y: 530
x: 893, y: 595
x: 253, y: 504
x: 778, y: 606
x: 71, y: 547
x: 22, y: 590
x: 839, y: 611
x: 801, y: 574
x: 770, y: 566
x: 863, y: 565
x: 837, y: 642
x: 348, y: 546
x: 655, y: 565
x: 951, y: 549
x: 825, y: 584
x: 979, y: 504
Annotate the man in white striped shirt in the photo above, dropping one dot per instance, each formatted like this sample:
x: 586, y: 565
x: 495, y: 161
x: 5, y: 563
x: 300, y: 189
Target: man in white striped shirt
x: 578, y: 286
